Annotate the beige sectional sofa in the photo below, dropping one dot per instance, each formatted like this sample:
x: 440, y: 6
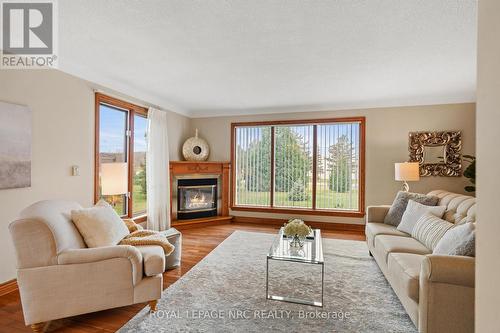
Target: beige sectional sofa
x: 437, y: 291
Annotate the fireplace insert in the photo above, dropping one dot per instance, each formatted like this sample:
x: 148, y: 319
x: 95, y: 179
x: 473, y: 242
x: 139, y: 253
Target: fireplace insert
x: 196, y: 198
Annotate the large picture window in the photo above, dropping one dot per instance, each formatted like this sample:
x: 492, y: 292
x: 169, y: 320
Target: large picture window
x: 311, y: 166
x: 120, y: 155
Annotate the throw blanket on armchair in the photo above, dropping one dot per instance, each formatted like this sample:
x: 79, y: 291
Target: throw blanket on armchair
x: 138, y: 236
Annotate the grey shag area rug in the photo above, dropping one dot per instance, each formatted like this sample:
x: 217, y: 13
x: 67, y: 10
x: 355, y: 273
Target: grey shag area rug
x: 225, y: 292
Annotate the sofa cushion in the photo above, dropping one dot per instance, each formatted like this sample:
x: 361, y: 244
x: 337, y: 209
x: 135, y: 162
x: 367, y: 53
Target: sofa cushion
x: 385, y: 244
x: 153, y: 259
x: 374, y: 229
x: 459, y: 208
x: 404, y: 271
x: 398, y: 207
x: 430, y: 229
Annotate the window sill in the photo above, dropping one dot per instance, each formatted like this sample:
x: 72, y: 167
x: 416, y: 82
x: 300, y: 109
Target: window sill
x: 140, y: 218
x: 305, y: 211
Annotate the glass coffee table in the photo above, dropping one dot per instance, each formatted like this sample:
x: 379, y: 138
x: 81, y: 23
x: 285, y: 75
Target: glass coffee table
x: 310, y: 254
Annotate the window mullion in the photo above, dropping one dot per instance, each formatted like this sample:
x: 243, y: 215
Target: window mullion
x: 315, y: 164
x: 130, y: 162
x: 271, y: 197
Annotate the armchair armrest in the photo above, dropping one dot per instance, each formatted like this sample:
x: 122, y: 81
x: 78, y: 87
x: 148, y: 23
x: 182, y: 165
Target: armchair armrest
x: 90, y: 255
x: 446, y: 294
x: 377, y: 213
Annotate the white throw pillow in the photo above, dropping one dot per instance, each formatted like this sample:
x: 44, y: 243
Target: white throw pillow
x: 415, y: 211
x: 430, y: 229
x: 99, y: 225
x: 459, y: 240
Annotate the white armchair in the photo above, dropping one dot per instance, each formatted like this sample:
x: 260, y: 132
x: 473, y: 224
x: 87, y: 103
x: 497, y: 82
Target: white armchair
x: 58, y: 276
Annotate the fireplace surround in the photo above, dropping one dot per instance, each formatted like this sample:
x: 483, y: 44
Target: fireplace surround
x: 199, y: 192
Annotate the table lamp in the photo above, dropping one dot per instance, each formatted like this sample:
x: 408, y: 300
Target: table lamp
x: 406, y: 172
x: 114, y: 180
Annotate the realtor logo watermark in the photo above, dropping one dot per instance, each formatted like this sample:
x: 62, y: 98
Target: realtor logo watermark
x: 28, y: 34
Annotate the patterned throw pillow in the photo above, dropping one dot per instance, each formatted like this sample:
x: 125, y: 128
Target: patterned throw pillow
x: 467, y: 247
x: 398, y: 207
x: 415, y: 211
x: 429, y: 229
x: 459, y: 240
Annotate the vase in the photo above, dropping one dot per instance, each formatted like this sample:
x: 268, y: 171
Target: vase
x: 297, y: 241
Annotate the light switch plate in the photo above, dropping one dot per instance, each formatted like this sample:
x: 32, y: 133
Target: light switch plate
x: 75, y: 170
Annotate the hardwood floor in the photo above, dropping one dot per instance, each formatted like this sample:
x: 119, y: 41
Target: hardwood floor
x: 197, y: 243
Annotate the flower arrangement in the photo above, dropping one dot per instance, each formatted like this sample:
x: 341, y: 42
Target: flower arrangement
x: 296, y: 227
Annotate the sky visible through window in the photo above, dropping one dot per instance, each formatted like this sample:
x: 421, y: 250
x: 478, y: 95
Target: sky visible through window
x: 112, y: 131
x: 140, y: 129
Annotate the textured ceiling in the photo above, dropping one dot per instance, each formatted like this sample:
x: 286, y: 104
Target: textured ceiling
x: 205, y: 58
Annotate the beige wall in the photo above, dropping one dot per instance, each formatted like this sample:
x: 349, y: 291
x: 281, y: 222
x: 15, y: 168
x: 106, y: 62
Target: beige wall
x: 488, y: 151
x: 386, y: 142
x: 63, y: 135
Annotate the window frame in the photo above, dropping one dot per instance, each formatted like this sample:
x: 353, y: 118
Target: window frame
x: 307, y: 211
x: 133, y: 110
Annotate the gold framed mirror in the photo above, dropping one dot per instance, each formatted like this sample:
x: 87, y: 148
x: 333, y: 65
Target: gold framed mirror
x: 438, y: 153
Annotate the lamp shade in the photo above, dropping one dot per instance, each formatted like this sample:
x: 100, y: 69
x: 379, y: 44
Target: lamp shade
x: 408, y: 171
x: 114, y: 178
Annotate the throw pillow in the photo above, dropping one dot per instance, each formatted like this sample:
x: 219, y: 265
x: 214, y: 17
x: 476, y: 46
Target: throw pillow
x: 467, y: 247
x: 429, y: 229
x: 459, y: 240
x: 99, y: 225
x: 398, y: 207
x: 414, y: 211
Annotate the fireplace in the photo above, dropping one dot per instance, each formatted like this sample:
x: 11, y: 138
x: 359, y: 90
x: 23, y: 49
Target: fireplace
x: 199, y: 193
x: 196, y: 197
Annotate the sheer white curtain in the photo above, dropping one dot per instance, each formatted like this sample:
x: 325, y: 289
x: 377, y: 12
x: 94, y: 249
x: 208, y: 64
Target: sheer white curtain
x: 157, y: 175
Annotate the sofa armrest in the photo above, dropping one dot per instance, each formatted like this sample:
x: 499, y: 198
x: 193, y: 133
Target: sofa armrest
x: 456, y: 270
x: 376, y: 213
x: 446, y: 294
x: 89, y: 255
